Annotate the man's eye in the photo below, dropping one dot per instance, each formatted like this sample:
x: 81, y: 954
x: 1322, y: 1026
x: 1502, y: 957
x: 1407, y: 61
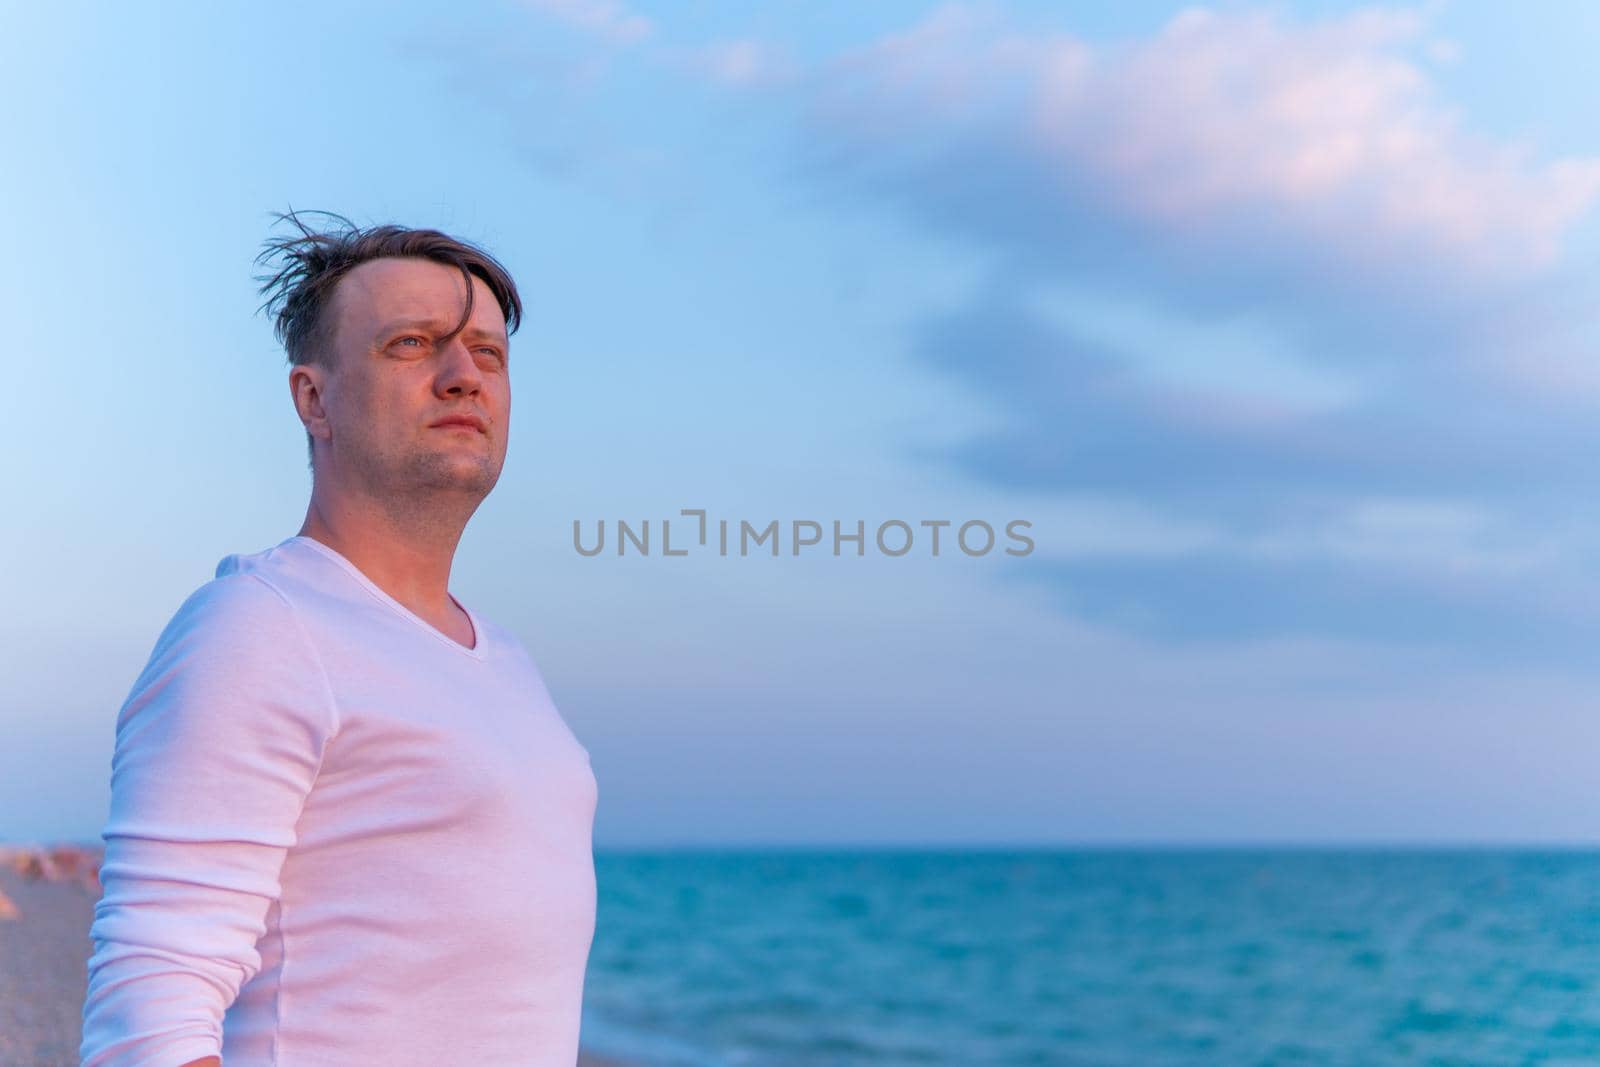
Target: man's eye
x: 403, y: 339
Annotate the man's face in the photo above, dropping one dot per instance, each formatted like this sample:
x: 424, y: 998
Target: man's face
x: 394, y: 377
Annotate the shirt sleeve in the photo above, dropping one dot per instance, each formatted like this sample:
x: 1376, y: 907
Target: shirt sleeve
x: 217, y: 746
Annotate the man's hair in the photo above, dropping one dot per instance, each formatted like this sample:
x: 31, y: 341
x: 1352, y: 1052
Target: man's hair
x: 311, y: 263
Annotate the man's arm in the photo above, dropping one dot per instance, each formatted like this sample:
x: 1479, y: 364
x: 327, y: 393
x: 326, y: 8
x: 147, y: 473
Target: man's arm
x: 217, y: 747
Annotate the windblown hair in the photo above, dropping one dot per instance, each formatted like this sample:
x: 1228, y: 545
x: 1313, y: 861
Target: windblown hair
x: 311, y: 263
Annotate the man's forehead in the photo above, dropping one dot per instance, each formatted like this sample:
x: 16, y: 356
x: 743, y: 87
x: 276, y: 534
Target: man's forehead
x: 419, y: 292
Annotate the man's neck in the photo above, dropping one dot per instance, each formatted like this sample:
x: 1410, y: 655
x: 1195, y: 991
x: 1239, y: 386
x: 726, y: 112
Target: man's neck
x: 413, y: 569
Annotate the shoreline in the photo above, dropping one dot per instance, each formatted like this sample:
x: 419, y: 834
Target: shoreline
x: 47, y: 899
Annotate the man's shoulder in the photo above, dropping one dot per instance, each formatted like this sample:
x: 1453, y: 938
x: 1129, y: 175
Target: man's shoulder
x: 246, y: 588
x: 232, y: 610
x: 231, y: 675
x: 239, y: 596
x: 235, y: 638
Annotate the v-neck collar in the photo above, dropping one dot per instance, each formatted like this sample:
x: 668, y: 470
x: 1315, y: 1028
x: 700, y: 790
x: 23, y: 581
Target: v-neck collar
x: 480, y: 638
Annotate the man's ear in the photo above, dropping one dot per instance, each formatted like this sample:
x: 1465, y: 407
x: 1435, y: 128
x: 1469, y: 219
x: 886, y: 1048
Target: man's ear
x: 306, y: 385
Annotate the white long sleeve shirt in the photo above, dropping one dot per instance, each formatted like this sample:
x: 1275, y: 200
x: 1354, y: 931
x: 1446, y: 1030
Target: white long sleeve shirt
x: 339, y: 837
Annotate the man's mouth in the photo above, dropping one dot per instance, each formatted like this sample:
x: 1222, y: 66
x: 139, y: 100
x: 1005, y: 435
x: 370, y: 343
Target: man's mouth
x: 459, y: 422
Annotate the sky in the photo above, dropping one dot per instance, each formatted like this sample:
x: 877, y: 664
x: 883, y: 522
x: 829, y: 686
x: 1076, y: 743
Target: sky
x: 1277, y: 326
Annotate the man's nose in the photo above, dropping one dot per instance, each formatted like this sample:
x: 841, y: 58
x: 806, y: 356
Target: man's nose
x: 458, y: 370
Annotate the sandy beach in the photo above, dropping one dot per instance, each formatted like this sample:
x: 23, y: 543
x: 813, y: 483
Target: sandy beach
x: 46, y: 906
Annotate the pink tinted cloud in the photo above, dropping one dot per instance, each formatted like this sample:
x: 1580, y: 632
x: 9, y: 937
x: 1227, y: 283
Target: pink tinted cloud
x: 1329, y: 132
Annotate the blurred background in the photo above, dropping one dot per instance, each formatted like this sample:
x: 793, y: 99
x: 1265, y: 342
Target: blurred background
x: 1277, y: 323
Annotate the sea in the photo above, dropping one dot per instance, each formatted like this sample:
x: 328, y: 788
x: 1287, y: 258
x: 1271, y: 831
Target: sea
x: 1117, y: 957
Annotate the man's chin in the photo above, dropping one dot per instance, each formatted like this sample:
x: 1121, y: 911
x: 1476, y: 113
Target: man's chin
x: 456, y: 476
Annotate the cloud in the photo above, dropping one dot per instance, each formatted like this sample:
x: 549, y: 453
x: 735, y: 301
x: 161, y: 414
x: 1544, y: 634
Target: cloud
x: 609, y: 19
x: 1080, y: 417
x: 1391, y: 449
x: 1230, y: 164
x: 743, y: 63
x: 1326, y: 134
x: 1438, y: 511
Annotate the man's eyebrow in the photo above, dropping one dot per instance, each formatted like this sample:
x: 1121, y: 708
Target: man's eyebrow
x: 441, y: 326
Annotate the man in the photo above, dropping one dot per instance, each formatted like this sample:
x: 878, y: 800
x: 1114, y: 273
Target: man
x: 348, y: 826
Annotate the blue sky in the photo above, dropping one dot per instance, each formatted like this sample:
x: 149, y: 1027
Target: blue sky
x: 1277, y: 323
